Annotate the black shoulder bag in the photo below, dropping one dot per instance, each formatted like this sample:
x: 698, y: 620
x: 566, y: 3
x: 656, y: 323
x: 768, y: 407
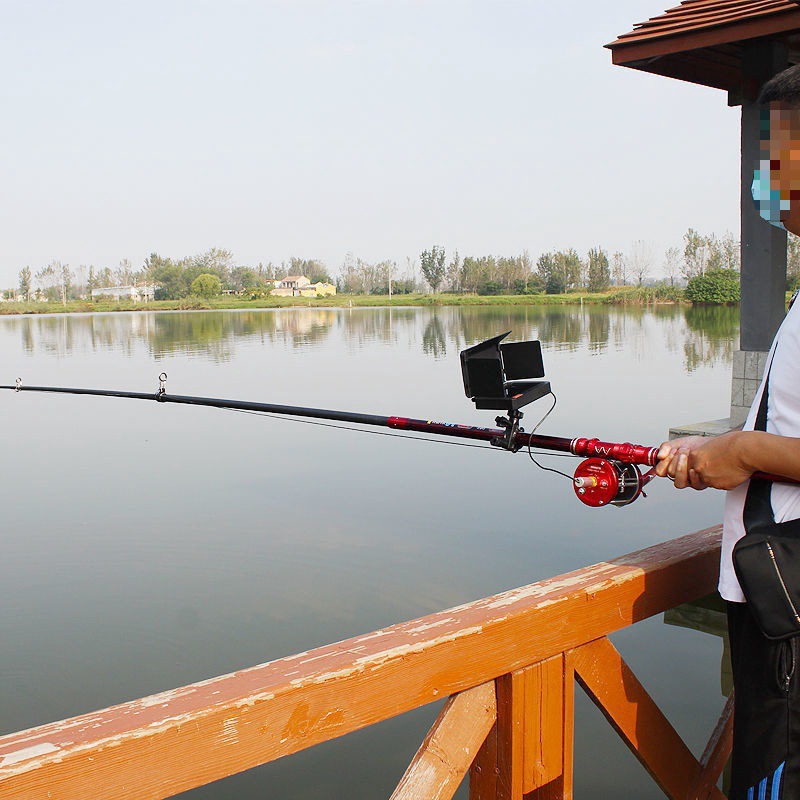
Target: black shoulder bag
x: 767, y: 558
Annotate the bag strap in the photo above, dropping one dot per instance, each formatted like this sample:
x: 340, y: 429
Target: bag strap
x: 758, y: 503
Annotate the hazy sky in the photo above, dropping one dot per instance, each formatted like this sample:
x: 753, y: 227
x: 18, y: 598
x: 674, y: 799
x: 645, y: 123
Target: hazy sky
x: 301, y: 128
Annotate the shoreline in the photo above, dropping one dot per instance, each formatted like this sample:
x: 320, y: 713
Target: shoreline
x: 617, y: 297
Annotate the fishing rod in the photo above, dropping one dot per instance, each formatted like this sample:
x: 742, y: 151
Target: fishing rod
x: 496, y: 376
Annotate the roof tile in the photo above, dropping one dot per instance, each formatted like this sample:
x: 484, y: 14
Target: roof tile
x: 696, y: 15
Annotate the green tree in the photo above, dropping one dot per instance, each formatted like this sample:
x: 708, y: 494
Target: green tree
x: 244, y: 278
x: 700, y: 254
x: 551, y: 274
x: 432, y: 266
x: 560, y: 270
x: 570, y: 263
x: 716, y: 287
x: 314, y: 269
x: 168, y: 280
x: 215, y: 261
x: 206, y: 285
x: 25, y: 282
x: 599, y: 270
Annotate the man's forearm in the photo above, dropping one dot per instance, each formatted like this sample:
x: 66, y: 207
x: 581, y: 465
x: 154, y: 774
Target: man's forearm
x: 757, y: 451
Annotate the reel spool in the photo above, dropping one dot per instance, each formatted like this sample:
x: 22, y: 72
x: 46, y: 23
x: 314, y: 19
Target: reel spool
x: 601, y: 482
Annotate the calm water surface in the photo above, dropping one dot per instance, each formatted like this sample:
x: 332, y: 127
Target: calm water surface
x: 149, y: 546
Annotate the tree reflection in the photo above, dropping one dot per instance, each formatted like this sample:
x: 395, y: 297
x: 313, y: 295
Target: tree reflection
x: 213, y: 334
x: 705, y: 335
x: 711, y: 335
x: 434, y: 338
x: 363, y: 325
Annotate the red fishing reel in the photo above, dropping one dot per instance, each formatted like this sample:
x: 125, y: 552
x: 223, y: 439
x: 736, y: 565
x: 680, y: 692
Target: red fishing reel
x: 601, y: 482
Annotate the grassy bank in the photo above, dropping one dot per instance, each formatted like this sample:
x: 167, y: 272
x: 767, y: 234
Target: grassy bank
x: 628, y: 295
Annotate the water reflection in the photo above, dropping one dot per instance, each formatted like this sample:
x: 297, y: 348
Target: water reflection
x: 705, y: 336
x: 714, y: 330
x: 434, y: 338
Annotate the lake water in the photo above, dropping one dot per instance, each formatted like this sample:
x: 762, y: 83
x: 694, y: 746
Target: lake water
x: 148, y: 546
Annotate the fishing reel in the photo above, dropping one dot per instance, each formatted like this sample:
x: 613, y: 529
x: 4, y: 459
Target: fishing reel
x: 601, y: 482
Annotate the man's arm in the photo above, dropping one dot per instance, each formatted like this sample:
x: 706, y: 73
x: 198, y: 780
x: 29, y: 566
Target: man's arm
x: 723, y: 462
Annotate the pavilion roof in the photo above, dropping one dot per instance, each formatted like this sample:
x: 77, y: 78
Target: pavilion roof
x: 701, y: 41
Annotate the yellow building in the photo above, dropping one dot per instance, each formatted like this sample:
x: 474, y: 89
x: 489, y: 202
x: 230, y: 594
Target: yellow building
x: 300, y: 286
x: 318, y: 289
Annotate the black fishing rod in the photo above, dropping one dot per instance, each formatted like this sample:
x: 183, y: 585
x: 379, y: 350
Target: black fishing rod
x: 496, y: 376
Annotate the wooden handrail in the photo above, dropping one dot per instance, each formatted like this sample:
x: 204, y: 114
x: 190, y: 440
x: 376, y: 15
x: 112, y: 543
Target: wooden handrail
x: 161, y: 745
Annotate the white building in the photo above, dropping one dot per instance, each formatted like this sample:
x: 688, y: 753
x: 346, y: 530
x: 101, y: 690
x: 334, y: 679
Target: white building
x: 136, y: 294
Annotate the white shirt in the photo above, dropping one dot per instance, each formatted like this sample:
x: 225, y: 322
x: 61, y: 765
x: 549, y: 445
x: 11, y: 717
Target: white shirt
x: 783, y: 419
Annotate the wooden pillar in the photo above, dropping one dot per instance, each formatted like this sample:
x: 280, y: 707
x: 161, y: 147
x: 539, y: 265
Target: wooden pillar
x: 763, y: 245
x: 528, y: 756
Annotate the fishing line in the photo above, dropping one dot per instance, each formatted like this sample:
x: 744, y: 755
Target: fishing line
x: 363, y: 430
x: 412, y: 438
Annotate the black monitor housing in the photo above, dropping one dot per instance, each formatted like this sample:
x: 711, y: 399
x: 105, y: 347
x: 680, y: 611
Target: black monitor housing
x: 503, y: 376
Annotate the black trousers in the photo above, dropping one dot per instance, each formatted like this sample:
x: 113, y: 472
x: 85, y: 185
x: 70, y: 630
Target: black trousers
x: 766, y: 720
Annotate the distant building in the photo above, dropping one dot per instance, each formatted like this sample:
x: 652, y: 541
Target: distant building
x: 318, y: 289
x: 136, y: 294
x: 300, y: 286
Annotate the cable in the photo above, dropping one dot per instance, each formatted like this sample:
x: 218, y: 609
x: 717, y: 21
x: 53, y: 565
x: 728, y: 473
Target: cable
x: 549, y: 411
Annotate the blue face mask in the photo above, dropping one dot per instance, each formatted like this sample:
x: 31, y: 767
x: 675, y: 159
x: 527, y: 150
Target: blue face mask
x: 769, y: 204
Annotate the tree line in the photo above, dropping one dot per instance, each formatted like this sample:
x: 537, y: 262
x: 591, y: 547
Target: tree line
x: 553, y: 272
x: 206, y: 274
x: 560, y: 271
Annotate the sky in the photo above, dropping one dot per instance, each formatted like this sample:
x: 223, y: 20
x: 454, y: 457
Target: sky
x: 313, y: 129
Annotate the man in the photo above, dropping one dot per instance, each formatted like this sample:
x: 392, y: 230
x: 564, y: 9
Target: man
x: 766, y: 674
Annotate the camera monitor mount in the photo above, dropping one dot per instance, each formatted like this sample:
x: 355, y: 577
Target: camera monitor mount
x: 503, y: 376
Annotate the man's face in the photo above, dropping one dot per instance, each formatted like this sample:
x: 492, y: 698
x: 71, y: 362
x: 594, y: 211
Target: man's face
x: 780, y: 163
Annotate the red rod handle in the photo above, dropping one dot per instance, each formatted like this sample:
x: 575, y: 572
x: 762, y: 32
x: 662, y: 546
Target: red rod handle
x: 618, y: 451
x: 587, y: 448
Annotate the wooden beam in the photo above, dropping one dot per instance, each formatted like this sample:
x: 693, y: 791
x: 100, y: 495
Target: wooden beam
x: 158, y: 746
x: 716, y: 754
x: 450, y: 747
x: 612, y: 686
x: 511, y: 735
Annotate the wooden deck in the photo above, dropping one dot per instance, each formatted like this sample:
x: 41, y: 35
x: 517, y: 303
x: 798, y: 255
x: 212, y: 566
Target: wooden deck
x: 508, y: 663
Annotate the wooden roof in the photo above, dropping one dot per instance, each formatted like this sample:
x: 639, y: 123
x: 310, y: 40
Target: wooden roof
x: 701, y: 40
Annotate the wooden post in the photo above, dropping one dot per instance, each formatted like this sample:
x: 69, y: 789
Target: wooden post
x: 530, y: 755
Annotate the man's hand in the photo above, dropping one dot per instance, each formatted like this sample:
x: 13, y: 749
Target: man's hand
x: 701, y: 461
x: 673, y: 461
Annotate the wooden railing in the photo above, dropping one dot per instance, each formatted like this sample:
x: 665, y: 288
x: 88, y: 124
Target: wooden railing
x: 508, y: 663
